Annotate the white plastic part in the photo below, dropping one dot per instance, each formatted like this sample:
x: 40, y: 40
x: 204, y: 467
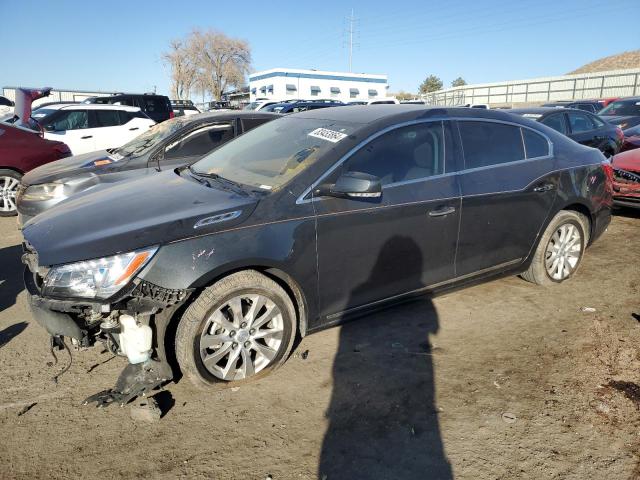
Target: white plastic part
x: 135, y: 339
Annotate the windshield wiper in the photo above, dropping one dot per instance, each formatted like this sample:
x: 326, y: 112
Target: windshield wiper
x: 223, y: 182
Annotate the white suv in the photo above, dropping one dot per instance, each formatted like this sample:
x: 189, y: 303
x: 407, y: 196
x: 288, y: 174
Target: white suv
x: 89, y: 127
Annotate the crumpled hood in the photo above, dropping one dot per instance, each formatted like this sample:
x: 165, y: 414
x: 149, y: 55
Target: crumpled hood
x: 65, y: 168
x: 629, y: 161
x: 129, y: 215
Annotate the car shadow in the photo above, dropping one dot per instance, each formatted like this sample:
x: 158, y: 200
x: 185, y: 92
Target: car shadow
x: 11, y: 332
x: 626, y: 212
x: 383, y: 421
x: 11, y: 281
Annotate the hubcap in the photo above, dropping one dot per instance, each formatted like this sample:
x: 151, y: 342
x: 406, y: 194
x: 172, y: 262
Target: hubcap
x: 8, y: 191
x: 241, y: 337
x: 563, y: 252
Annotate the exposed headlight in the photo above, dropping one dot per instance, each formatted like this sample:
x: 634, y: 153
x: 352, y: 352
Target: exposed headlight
x: 44, y: 191
x: 99, y: 278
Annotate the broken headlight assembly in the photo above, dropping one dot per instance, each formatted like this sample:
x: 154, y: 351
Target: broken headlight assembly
x: 100, y: 278
x: 43, y: 192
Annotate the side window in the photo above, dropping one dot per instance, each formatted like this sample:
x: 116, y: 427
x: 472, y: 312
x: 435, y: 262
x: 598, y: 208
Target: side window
x: 556, y: 122
x: 535, y: 145
x: 598, y: 123
x: 69, y: 120
x: 5, y: 102
x: 488, y: 143
x: 579, y: 122
x: 199, y: 142
x: 153, y: 104
x: 251, y: 123
x: 106, y: 118
x: 406, y: 153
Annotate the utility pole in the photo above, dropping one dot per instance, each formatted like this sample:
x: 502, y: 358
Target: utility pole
x: 351, y: 19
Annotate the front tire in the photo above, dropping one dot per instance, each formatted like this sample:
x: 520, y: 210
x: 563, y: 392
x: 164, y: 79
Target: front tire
x: 9, y: 183
x: 560, y: 250
x: 239, y: 329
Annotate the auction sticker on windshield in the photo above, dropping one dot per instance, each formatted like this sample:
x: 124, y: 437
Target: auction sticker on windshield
x: 326, y: 134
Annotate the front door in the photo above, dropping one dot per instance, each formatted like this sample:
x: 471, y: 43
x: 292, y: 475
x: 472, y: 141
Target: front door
x: 370, y: 250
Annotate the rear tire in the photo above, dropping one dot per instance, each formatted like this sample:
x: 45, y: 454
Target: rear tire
x: 9, y: 183
x: 237, y: 330
x: 560, y: 250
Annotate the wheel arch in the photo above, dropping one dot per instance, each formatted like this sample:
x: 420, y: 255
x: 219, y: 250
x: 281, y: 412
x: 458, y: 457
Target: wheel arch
x: 13, y: 169
x: 584, y: 210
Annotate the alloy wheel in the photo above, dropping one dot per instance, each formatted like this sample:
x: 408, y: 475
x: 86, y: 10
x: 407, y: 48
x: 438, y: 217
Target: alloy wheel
x: 563, y: 252
x: 8, y: 192
x: 241, y: 337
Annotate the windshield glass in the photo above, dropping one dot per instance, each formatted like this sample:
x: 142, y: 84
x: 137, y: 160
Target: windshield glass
x: 622, y: 108
x: 269, y: 156
x: 253, y: 105
x: 151, y: 137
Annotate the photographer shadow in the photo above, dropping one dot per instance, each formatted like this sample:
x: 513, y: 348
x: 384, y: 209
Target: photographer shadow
x: 383, y: 421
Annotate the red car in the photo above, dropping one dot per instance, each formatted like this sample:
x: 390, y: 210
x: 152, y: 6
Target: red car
x: 23, y: 149
x: 626, y: 179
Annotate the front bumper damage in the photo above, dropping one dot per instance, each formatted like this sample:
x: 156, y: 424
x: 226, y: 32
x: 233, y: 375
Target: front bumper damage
x: 88, y: 322
x: 626, y: 188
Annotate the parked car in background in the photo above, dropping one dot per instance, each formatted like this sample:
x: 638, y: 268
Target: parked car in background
x: 6, y: 106
x: 183, y: 108
x: 304, y: 222
x: 167, y: 145
x: 624, y: 112
x: 90, y: 127
x: 626, y: 175
x: 301, y: 106
x: 592, y: 106
x: 21, y: 150
x: 384, y: 101
x: 156, y: 107
x: 260, y: 104
x: 583, y: 127
x: 631, y: 139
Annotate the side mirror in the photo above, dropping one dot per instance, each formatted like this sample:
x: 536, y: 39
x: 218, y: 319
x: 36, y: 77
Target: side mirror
x: 353, y: 185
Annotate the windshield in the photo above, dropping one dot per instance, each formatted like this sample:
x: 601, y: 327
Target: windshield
x: 269, y: 156
x: 629, y: 107
x: 152, y: 137
x: 253, y: 105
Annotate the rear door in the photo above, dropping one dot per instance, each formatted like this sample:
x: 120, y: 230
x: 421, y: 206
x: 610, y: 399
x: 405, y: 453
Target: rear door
x: 108, y: 132
x: 583, y: 130
x: 508, y: 187
x: 374, y: 249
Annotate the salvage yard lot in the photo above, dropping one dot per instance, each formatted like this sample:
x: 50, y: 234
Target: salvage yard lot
x: 499, y: 381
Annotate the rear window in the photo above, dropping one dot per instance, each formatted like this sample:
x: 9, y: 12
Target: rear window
x: 535, y: 144
x: 153, y: 104
x: 489, y: 143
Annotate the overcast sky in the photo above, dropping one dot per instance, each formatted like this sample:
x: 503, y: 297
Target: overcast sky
x: 117, y: 45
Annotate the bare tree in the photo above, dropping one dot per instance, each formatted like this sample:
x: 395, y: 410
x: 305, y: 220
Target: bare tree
x: 220, y: 61
x: 183, y: 68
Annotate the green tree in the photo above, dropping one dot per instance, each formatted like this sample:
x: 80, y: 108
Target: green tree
x: 431, y: 84
x: 458, y: 82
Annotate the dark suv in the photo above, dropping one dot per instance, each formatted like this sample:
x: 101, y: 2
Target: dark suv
x: 306, y: 221
x: 157, y: 107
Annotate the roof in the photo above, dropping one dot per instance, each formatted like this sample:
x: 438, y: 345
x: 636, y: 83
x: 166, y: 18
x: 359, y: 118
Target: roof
x: 543, y: 110
x: 91, y: 106
x: 224, y: 115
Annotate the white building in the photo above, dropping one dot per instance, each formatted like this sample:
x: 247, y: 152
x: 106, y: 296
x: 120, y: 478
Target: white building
x: 292, y: 83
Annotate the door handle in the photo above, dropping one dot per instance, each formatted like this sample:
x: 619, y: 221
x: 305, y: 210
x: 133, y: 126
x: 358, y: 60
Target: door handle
x: 546, y: 187
x: 86, y: 136
x: 135, y: 128
x: 440, y: 212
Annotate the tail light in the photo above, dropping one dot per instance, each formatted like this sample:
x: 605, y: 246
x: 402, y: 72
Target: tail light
x: 620, y: 134
x: 607, y: 167
x: 62, y: 150
x: 172, y: 115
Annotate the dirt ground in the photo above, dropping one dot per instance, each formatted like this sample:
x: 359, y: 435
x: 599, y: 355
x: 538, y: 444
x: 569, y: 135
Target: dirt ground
x: 503, y: 380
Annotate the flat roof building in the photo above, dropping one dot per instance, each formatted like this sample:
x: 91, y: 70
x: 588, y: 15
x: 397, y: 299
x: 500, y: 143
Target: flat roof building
x: 293, y: 83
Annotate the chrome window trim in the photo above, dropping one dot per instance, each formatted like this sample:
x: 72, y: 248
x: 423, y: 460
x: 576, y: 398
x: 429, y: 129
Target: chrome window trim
x: 301, y: 200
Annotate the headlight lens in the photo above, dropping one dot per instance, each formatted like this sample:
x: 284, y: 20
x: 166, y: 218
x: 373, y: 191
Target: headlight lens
x: 44, y: 191
x: 99, y: 278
